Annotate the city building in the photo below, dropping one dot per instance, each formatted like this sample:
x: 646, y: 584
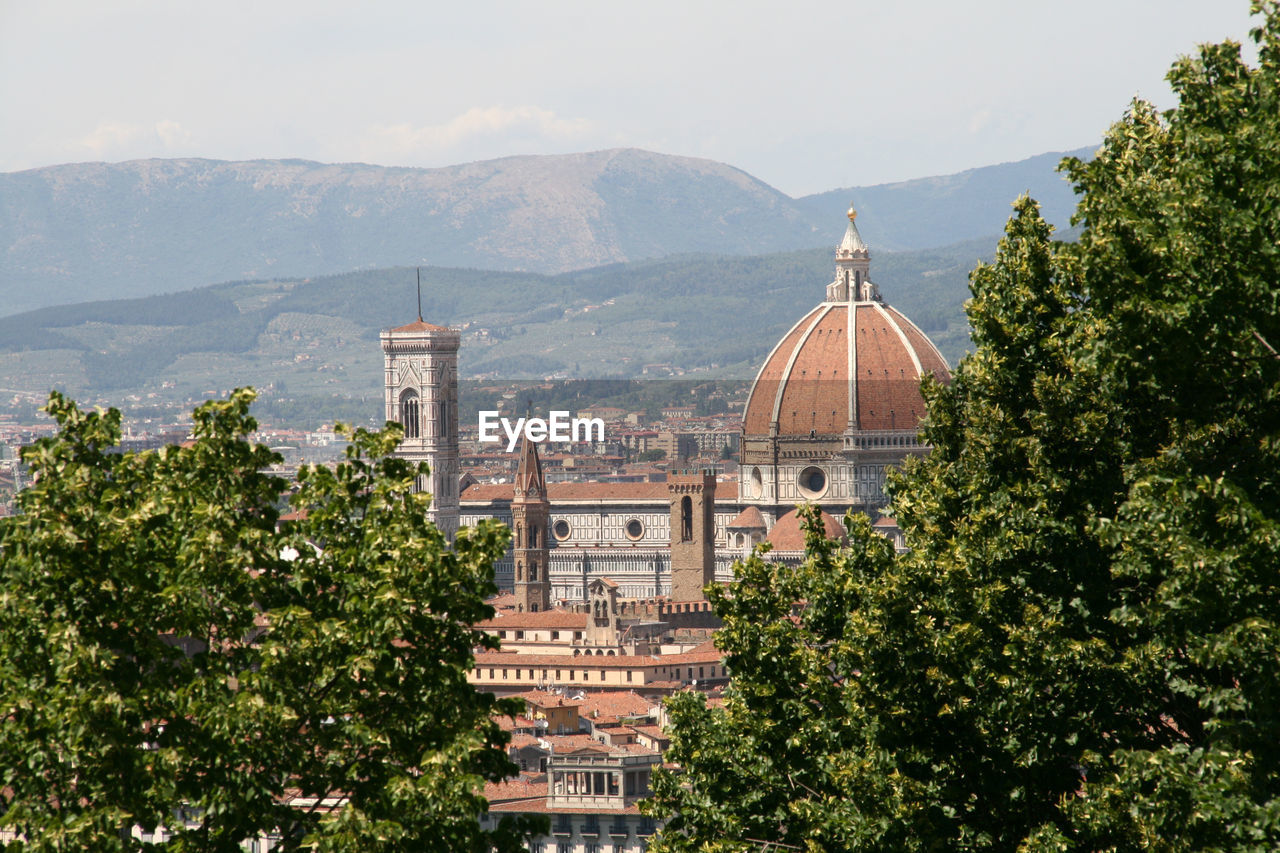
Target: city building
x: 420, y: 362
x: 838, y: 401
x: 835, y: 405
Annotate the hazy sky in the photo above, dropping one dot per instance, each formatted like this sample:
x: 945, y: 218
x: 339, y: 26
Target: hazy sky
x: 807, y: 96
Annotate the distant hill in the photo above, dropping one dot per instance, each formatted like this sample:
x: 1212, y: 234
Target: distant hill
x: 95, y: 231
x: 314, y: 342
x: 938, y: 211
x: 99, y: 230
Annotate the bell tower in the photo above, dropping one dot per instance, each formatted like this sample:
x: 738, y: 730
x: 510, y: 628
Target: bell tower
x: 530, y: 516
x: 693, y: 532
x: 420, y: 364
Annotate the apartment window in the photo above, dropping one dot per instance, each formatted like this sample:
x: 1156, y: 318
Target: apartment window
x: 628, y: 675
x: 504, y: 674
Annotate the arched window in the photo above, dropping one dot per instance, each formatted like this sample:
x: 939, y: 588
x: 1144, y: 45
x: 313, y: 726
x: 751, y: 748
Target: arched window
x: 533, y: 570
x: 533, y: 536
x: 409, y: 414
x: 444, y: 418
x: 686, y: 519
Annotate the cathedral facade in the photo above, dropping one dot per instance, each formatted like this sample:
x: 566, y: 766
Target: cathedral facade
x: 836, y: 404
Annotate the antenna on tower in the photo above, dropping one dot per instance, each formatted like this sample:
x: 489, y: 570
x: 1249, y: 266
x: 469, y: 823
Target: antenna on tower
x: 419, y: 269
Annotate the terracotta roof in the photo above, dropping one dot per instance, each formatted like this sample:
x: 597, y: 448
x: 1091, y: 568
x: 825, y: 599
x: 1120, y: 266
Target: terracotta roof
x: 749, y: 519
x: 571, y: 661
x: 555, y: 618
x: 502, y: 601
x: 885, y: 521
x: 546, y: 699
x: 787, y: 534
x: 654, y: 732
x: 608, y: 707
x: 419, y: 325
x: 705, y: 653
x: 575, y: 742
x: 539, y: 806
x: 520, y: 788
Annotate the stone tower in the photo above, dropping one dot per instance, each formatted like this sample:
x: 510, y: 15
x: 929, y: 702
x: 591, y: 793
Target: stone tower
x: 693, y: 532
x: 530, y: 516
x: 421, y: 380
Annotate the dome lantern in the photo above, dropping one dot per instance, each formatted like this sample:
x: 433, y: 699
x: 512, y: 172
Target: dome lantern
x: 853, y: 268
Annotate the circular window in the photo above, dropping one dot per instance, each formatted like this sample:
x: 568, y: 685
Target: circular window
x: 561, y: 530
x: 812, y: 482
x: 635, y: 529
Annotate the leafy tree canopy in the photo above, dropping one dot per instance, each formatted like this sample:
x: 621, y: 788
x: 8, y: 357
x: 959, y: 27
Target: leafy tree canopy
x: 1080, y: 650
x: 174, y: 655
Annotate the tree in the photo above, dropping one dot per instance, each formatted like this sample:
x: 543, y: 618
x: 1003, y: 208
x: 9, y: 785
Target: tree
x: 169, y: 658
x: 1080, y: 650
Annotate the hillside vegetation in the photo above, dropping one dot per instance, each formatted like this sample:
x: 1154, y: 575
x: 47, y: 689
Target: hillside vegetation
x: 317, y: 339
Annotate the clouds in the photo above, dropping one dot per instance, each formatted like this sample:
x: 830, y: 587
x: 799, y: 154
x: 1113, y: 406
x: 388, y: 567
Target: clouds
x: 118, y: 140
x: 478, y: 127
x: 806, y: 96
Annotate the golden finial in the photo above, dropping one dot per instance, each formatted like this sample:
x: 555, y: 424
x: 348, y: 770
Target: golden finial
x: 852, y: 214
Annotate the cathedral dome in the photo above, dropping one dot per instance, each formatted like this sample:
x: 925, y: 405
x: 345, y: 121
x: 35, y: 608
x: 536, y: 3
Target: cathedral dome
x: 851, y: 364
x: 788, y: 534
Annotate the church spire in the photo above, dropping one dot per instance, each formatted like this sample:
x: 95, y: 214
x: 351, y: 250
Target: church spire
x: 530, y: 526
x: 529, y: 480
x: 853, y: 267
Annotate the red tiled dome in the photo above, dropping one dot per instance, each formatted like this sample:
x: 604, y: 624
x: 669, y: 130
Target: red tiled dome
x: 788, y: 535
x: 820, y: 379
x: 851, y: 363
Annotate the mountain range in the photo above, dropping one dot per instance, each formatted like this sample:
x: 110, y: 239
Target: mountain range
x: 97, y: 231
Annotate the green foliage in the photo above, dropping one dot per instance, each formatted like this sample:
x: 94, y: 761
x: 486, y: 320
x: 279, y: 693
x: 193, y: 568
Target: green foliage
x: 1080, y: 650
x: 165, y: 651
x: 690, y: 311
